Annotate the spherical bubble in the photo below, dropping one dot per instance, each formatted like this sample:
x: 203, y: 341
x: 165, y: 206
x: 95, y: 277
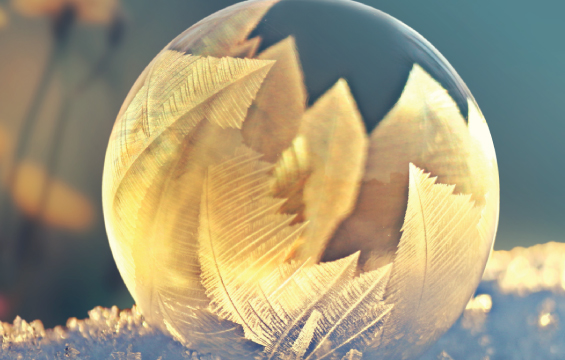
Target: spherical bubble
x: 301, y: 179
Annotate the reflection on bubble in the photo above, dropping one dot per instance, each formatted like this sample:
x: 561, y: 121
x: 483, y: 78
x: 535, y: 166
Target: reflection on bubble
x: 252, y: 214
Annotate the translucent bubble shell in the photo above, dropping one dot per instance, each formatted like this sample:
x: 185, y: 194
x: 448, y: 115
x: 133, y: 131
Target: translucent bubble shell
x: 301, y: 180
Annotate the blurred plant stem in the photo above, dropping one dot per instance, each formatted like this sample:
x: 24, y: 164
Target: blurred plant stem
x: 28, y: 235
x: 61, y: 28
x: 114, y: 38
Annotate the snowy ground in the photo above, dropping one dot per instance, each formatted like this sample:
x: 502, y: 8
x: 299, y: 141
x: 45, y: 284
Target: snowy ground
x: 515, y: 315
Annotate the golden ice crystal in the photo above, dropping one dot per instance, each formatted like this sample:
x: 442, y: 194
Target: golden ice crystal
x: 248, y: 224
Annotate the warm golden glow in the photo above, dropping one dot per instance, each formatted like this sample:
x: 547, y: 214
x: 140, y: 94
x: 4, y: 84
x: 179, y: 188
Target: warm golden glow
x: 545, y: 319
x: 242, y: 219
x: 93, y: 11
x: 4, y: 20
x: 476, y: 312
x: 526, y: 270
x: 481, y: 303
x: 63, y: 206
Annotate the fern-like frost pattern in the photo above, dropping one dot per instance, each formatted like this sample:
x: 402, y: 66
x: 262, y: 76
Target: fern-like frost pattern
x: 224, y: 193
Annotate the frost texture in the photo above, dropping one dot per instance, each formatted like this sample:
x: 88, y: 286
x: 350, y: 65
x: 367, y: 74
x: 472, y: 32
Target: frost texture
x: 222, y: 241
x: 106, y: 334
x: 510, y: 327
x: 294, y: 310
x: 211, y: 254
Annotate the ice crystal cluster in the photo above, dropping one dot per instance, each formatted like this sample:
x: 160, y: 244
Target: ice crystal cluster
x: 501, y: 322
x: 250, y: 219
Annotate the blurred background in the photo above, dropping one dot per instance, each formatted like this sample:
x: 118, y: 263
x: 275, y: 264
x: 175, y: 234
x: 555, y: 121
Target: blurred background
x: 67, y: 65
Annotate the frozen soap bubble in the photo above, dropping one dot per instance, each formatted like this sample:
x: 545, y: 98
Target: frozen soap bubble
x: 301, y: 180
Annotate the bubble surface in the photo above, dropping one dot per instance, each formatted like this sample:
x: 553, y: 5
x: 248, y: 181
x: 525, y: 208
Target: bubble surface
x: 301, y: 179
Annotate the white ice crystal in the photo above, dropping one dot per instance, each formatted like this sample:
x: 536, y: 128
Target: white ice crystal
x: 501, y: 324
x: 105, y: 334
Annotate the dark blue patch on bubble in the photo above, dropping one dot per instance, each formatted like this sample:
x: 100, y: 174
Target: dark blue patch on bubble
x: 371, y: 50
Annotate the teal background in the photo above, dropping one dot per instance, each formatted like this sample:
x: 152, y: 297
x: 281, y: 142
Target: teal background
x: 510, y: 53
